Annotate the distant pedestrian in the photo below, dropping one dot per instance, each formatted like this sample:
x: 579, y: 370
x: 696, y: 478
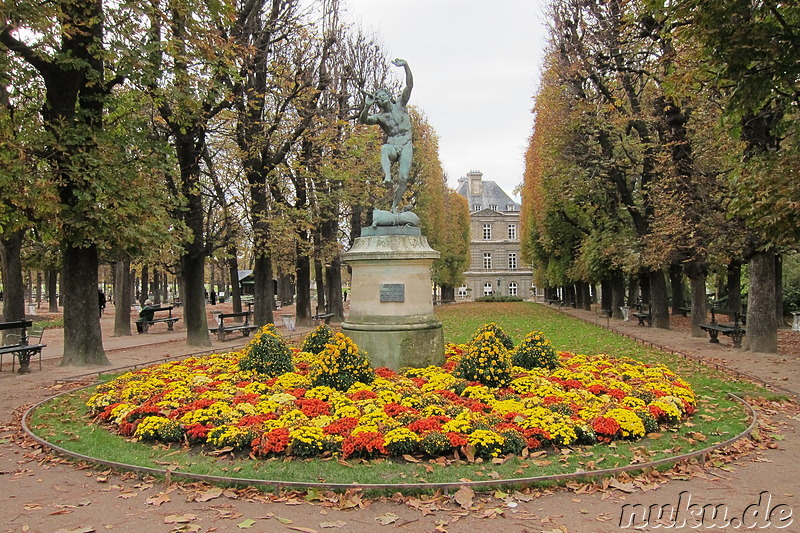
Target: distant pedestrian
x: 345, y: 294
x: 101, y: 300
x: 213, y: 297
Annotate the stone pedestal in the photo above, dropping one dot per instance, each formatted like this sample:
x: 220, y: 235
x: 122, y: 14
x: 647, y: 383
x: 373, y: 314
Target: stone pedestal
x: 391, y: 303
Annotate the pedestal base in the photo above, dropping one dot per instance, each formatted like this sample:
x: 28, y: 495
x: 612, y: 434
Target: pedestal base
x: 391, y: 306
x: 399, y: 345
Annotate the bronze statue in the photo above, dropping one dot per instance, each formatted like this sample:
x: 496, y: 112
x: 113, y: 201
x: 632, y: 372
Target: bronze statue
x: 394, y: 121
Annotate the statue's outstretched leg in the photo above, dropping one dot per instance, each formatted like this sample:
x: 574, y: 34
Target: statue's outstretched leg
x: 386, y: 162
x: 404, y: 171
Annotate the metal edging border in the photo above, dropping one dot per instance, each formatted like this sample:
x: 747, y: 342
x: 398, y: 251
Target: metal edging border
x: 393, y: 486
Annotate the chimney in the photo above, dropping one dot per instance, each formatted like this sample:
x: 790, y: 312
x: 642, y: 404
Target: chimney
x: 475, y: 185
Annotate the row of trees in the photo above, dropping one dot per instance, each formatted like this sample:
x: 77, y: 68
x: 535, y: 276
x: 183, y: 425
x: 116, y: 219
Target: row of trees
x: 161, y: 133
x: 666, y: 142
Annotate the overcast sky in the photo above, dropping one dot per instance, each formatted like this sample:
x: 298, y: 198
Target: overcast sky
x: 476, y: 68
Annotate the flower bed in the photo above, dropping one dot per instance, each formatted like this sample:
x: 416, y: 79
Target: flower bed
x: 319, y: 409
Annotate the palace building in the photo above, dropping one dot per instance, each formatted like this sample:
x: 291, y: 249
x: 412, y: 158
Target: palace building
x: 495, y: 260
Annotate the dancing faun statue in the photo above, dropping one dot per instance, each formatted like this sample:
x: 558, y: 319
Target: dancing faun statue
x: 393, y: 119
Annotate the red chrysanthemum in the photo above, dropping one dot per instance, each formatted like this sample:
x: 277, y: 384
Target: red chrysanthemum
x: 313, y: 407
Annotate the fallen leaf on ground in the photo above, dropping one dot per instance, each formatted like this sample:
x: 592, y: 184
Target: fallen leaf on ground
x: 210, y: 494
x: 337, y: 524
x: 388, y: 518
x: 247, y: 523
x: 157, y: 500
x: 464, y: 497
x: 179, y: 519
x: 619, y: 485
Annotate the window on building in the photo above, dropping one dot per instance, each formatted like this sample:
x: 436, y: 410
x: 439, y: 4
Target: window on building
x: 487, y: 260
x: 487, y: 232
x: 493, y: 207
x: 476, y: 207
x: 512, y: 232
x: 512, y: 288
x: 487, y: 288
x: 510, y: 207
x: 512, y: 261
x: 462, y: 291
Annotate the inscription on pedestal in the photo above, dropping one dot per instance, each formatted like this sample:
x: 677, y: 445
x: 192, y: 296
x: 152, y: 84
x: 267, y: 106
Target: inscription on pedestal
x: 393, y: 292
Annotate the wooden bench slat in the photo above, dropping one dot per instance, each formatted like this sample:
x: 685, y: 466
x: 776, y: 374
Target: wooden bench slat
x: 22, y: 350
x: 222, y: 330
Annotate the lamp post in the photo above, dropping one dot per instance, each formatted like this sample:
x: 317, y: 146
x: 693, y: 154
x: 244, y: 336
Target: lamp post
x: 499, y: 287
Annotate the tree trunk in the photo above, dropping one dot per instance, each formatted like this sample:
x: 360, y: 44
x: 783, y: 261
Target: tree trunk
x: 263, y: 291
x: 83, y: 340
x: 644, y: 287
x: 13, y: 286
x: 762, y: 333
x: 188, y: 148
x: 734, y: 286
x: 448, y: 294
x: 579, y: 295
x: 779, y: 291
x: 659, y: 303
x: 144, y: 293
x: 155, y: 287
x: 38, y: 288
x: 617, y: 293
x: 587, y: 296
x: 333, y: 274
x: 696, y: 272
x: 303, y: 304
x: 52, y: 290
x: 570, y: 296
x: 605, y: 293
x: 122, y: 298
x: 633, y: 290
x: 194, y: 303
x: 676, y: 282
x: 286, y: 289
x: 236, y: 290
x: 319, y: 281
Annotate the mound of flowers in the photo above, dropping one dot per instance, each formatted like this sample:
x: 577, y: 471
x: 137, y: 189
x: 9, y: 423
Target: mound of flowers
x: 333, y: 402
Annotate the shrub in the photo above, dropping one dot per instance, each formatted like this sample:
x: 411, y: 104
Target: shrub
x: 535, y: 352
x: 487, y: 444
x: 341, y: 365
x: 514, y: 441
x: 401, y: 441
x: 267, y: 353
x: 498, y: 299
x: 648, y: 420
x: 316, y: 340
x: 498, y: 332
x: 487, y: 361
x: 435, y: 443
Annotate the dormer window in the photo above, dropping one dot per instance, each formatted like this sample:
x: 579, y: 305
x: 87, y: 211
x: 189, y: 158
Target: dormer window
x: 476, y: 207
x: 493, y: 207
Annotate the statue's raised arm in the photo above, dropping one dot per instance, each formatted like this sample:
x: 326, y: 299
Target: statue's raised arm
x: 393, y: 119
x: 406, y: 96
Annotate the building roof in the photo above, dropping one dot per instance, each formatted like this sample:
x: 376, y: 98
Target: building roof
x: 484, y: 193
